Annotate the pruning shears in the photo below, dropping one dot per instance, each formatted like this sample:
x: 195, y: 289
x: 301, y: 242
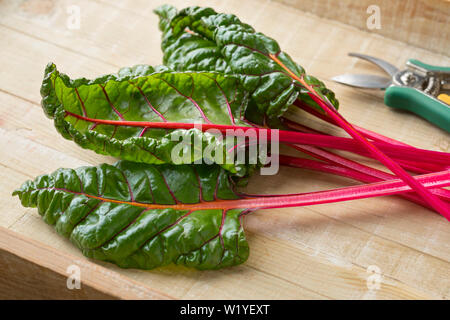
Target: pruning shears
x: 420, y: 88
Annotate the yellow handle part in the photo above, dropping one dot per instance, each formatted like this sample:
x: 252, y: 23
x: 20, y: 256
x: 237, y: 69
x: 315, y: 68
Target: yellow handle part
x: 444, y: 98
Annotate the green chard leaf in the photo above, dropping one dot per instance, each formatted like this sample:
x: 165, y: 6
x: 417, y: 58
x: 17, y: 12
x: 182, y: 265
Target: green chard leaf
x: 146, y: 94
x: 141, y: 215
x: 187, y: 50
x: 201, y: 39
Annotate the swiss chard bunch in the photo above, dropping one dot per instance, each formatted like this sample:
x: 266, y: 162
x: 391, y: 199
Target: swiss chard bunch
x: 268, y: 73
x: 148, y: 210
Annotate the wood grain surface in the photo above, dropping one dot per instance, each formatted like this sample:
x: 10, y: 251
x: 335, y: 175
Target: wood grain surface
x: 320, y: 252
x: 423, y: 23
x: 33, y: 270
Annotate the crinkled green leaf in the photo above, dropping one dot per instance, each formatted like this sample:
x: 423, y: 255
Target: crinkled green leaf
x: 221, y: 42
x: 143, y: 93
x: 188, y: 51
x: 102, y: 210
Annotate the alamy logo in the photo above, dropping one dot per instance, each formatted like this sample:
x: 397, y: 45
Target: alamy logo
x: 74, y: 19
x: 374, y: 20
x: 234, y: 146
x: 374, y: 279
x: 74, y: 278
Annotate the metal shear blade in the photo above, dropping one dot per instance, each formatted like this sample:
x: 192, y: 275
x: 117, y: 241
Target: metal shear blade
x: 365, y: 80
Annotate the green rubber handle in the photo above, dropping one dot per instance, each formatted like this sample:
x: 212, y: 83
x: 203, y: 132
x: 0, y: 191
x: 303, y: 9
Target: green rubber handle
x: 428, y: 66
x: 413, y: 100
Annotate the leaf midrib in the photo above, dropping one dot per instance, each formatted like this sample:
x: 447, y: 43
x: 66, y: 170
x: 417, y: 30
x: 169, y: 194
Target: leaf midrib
x: 202, y: 205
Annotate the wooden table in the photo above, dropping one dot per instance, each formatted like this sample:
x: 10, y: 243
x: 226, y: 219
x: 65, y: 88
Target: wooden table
x: 320, y: 252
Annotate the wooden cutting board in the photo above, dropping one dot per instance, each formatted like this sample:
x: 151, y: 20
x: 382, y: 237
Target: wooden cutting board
x: 321, y: 252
